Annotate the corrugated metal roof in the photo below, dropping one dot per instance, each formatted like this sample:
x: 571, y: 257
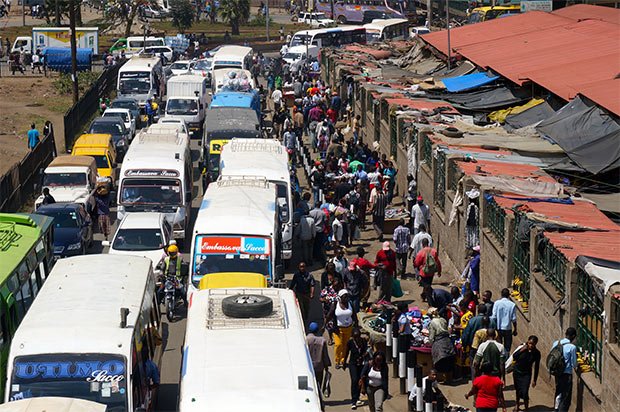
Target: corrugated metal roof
x: 422, y: 104
x: 490, y: 168
x: 602, y: 245
x: 585, y: 11
x: 598, y: 92
x: 564, y: 55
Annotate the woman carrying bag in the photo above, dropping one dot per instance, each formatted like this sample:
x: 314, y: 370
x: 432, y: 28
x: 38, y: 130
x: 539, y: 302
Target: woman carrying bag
x: 374, y: 382
x: 343, y: 319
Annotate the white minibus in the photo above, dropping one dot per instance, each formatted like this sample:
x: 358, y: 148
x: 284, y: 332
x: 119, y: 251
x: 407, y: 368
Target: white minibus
x: 236, y: 230
x: 141, y: 78
x: 90, y: 334
x: 387, y: 29
x: 260, y: 363
x: 332, y: 37
x: 264, y: 158
x: 157, y: 176
x: 232, y: 57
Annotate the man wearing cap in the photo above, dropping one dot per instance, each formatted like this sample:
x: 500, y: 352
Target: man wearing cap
x: 318, y: 352
x: 420, y: 213
x: 303, y: 285
x: 386, y: 260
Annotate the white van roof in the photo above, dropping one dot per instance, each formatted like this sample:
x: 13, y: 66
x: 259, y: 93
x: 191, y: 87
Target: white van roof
x: 78, y: 307
x: 139, y: 63
x: 255, y: 157
x: 157, y: 150
x: 246, y: 364
x: 231, y: 52
x: 186, y: 78
x: 53, y: 404
x: 237, y: 205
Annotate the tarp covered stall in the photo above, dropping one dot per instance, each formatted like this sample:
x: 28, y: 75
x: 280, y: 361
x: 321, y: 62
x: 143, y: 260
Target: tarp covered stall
x: 486, y: 100
x: 468, y: 82
x: 532, y: 115
x: 588, y: 134
x: 499, y: 116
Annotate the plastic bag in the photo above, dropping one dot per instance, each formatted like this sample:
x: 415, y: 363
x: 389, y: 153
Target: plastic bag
x: 397, y: 290
x: 357, y: 235
x: 510, y: 362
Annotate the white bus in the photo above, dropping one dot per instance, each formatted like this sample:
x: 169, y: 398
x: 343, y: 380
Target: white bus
x: 232, y: 57
x: 141, y: 78
x: 387, y: 29
x: 264, y: 158
x: 90, y: 334
x: 333, y: 37
x: 157, y: 176
x: 221, y: 78
x: 261, y: 364
x: 236, y: 230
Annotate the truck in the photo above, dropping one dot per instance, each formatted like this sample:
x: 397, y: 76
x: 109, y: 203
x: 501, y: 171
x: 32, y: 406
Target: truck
x: 187, y: 100
x: 43, y: 37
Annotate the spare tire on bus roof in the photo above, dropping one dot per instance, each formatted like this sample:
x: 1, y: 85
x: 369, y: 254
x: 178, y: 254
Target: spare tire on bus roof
x: 247, y: 306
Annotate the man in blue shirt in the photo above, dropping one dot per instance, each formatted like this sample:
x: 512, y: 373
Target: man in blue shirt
x: 505, y: 316
x: 564, y: 382
x: 33, y: 137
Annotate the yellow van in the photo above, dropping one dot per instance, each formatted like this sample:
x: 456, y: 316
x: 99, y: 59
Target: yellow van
x: 101, y: 148
x: 492, y: 12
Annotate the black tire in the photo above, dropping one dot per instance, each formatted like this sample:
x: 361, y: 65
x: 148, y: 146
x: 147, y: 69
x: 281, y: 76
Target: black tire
x: 169, y: 309
x: 247, y: 306
x: 342, y: 20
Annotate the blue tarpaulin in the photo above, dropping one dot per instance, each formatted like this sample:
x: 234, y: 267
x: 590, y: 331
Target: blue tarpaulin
x: 468, y: 82
x: 59, y: 59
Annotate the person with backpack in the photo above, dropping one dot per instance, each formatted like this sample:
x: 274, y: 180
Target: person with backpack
x: 561, y: 361
x: 491, y: 352
x: 428, y: 264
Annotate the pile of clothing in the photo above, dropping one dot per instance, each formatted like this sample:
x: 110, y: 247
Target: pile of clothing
x: 236, y: 82
x: 393, y: 213
x: 419, y: 327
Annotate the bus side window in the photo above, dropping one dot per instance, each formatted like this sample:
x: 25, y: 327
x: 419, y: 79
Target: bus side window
x: 138, y: 384
x: 4, y: 329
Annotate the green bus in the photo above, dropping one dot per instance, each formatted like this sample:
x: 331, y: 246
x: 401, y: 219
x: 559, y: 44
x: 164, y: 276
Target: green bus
x: 26, y: 259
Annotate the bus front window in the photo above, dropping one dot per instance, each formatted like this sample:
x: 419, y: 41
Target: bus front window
x: 135, y: 82
x: 94, y: 377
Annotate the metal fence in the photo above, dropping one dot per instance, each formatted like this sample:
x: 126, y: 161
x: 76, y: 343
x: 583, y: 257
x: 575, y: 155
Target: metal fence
x: 19, y: 183
x: 615, y: 318
x: 553, y: 265
x: 427, y: 150
x: 495, y: 219
x: 440, y: 180
x: 590, y: 322
x: 76, y: 117
x: 521, y: 260
x: 454, y: 175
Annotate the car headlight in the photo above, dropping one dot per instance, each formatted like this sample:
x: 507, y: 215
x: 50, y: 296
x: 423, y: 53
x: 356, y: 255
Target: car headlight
x: 74, y: 246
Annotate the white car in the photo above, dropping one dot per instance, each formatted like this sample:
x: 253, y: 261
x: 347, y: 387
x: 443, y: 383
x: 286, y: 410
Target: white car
x: 182, y: 126
x: 181, y: 67
x: 202, y: 68
x: 141, y: 234
x: 318, y: 20
x: 418, y: 31
x: 125, y: 114
x: 158, y: 51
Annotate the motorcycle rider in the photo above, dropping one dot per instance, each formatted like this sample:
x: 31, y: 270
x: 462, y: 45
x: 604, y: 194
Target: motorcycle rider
x: 172, y: 267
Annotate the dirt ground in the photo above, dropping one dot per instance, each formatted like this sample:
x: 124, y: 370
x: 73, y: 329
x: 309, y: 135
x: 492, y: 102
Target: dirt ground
x: 26, y: 99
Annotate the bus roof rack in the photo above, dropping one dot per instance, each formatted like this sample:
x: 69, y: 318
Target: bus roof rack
x: 241, y: 145
x: 237, y: 181
x: 216, y: 319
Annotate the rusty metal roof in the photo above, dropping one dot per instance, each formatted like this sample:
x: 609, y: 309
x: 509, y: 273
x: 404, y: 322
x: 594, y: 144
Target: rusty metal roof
x: 564, y: 53
x: 602, y: 245
x: 516, y: 170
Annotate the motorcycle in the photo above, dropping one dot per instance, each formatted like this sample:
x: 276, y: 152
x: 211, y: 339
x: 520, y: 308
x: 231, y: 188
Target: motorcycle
x: 171, y: 288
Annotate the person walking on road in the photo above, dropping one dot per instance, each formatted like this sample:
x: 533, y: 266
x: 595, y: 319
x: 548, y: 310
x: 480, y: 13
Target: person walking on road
x: 505, y: 316
x: 402, y: 239
x: 355, y: 356
x: 386, y: 261
x: 374, y: 380
x: 564, y: 380
x: 526, y: 358
x: 344, y: 318
x: 306, y: 233
x: 318, y: 352
x: 303, y: 284
x: 378, y: 212
x: 428, y: 264
x: 421, y: 215
x: 102, y: 201
x: 48, y: 199
x: 33, y: 137
x: 488, y: 391
x: 492, y: 353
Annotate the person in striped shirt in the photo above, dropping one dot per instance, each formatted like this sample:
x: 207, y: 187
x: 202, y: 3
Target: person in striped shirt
x: 378, y: 212
x: 402, y: 239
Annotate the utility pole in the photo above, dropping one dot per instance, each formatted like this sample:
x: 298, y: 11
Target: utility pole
x: 448, y: 27
x: 57, y: 12
x: 74, y: 77
x: 331, y: 6
x: 23, y: 13
x: 429, y: 13
x: 267, y: 19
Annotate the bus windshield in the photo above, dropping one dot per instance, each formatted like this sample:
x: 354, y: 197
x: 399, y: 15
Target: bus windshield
x: 217, y: 254
x: 94, y: 377
x: 135, y: 82
x: 300, y: 39
x: 182, y: 106
x: 151, y: 191
x: 64, y: 179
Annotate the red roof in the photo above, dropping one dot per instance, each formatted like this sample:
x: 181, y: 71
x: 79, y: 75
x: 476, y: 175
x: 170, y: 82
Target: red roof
x: 421, y: 104
x: 602, y: 245
x: 491, y: 168
x: 561, y: 52
x: 599, y: 93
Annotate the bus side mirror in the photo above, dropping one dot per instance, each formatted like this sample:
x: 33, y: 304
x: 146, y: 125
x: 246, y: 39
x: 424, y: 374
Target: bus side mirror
x: 302, y: 383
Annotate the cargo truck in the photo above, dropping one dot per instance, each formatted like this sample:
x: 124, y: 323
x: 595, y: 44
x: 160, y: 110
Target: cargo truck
x: 187, y: 100
x: 43, y: 37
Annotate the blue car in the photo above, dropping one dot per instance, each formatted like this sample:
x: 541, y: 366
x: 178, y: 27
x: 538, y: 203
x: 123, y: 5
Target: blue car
x: 73, y: 228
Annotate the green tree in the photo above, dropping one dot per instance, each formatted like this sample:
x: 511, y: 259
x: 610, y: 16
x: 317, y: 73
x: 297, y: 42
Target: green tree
x: 182, y: 13
x: 235, y: 12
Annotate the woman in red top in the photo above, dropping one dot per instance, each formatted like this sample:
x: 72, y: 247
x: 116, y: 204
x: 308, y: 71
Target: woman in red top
x: 489, y: 391
x: 386, y: 261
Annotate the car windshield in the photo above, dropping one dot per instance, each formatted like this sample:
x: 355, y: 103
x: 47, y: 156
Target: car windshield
x: 122, y: 115
x: 151, y: 192
x: 102, y: 162
x: 138, y: 239
x: 292, y: 56
x: 179, y: 66
x: 318, y: 16
x: 202, y: 65
x: 124, y: 104
x: 182, y: 106
x: 95, y: 377
x: 65, y: 218
x: 64, y: 179
x: 106, y: 128
x: 300, y: 39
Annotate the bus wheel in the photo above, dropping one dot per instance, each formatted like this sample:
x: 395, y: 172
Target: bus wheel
x: 342, y: 20
x: 247, y: 306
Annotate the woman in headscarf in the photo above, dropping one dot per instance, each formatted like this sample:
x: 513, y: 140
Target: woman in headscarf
x: 443, y: 349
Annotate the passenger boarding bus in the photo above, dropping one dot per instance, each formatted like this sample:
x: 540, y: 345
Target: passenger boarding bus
x: 157, y: 176
x: 141, y: 78
x: 333, y: 37
x: 264, y: 158
x: 26, y: 259
x: 387, y: 29
x: 90, y: 334
x: 260, y: 363
x: 352, y: 11
x: 237, y: 230
x: 232, y: 57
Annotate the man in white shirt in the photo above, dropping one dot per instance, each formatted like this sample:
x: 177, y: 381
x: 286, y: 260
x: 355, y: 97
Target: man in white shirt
x: 421, y: 214
x: 337, y: 231
x: 276, y: 96
x: 305, y: 234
